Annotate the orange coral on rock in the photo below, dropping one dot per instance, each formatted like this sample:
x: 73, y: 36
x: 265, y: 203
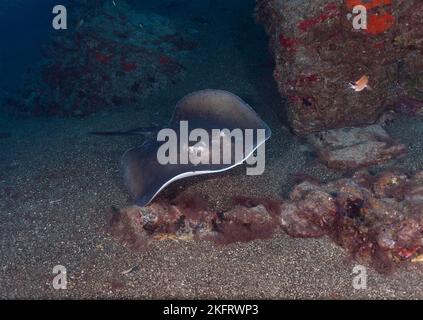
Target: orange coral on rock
x: 317, y: 38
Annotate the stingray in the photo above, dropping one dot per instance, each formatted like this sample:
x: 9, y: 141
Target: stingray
x: 145, y: 177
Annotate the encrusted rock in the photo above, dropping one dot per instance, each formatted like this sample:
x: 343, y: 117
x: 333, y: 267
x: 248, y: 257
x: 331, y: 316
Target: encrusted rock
x: 318, y: 54
x: 355, y: 147
x: 375, y: 218
x: 391, y: 185
x: 409, y: 106
x: 245, y: 224
x: 188, y: 218
x: 112, y: 57
x: 310, y: 212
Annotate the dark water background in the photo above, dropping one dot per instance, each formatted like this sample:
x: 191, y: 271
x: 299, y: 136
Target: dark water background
x: 25, y: 29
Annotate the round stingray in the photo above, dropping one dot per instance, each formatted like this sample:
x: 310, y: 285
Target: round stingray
x: 145, y: 177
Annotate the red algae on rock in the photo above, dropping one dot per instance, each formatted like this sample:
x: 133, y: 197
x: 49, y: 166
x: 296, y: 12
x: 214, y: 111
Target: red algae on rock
x: 377, y: 219
x: 82, y: 69
x: 103, y: 58
x: 128, y: 66
x: 188, y: 217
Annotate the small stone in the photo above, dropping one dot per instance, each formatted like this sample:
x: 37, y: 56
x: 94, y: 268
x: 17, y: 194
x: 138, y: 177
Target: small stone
x: 352, y: 148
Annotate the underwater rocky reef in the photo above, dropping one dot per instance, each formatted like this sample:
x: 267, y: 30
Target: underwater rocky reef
x: 318, y: 53
x: 111, y: 57
x: 378, y: 219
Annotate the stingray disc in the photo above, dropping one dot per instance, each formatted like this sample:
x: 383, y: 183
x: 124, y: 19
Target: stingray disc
x: 209, y: 110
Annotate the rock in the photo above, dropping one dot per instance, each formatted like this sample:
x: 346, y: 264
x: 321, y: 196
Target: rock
x: 352, y: 148
x: 391, y: 185
x: 243, y: 224
x: 318, y: 54
x: 409, y: 106
x: 387, y: 118
x: 310, y: 212
x: 378, y: 219
x: 414, y: 189
x: 188, y: 218
x: 296, y: 225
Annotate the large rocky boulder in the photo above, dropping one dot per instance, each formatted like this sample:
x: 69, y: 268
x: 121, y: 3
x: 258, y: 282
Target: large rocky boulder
x: 111, y: 56
x: 319, y: 54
